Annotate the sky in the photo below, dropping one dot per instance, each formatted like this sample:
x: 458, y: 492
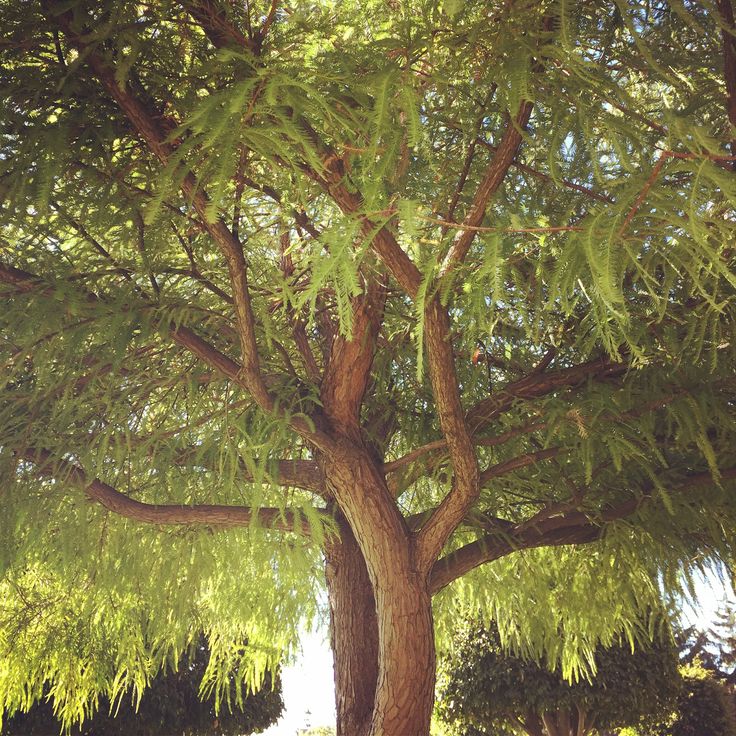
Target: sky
x: 308, y: 688
x: 308, y: 684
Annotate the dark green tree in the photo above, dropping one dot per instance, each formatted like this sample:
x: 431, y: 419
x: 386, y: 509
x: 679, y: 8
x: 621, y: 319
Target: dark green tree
x: 486, y: 689
x: 714, y: 649
x: 170, y: 706
x: 706, y: 706
x: 387, y: 297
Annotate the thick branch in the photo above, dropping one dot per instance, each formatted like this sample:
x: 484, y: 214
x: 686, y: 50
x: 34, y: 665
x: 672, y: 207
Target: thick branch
x: 382, y: 240
x: 166, y: 514
x: 574, y: 527
x: 348, y: 370
x: 493, y: 547
x: 465, y: 483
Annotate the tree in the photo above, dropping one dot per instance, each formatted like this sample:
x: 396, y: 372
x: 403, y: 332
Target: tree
x: 171, y: 705
x: 428, y: 289
x: 706, y: 706
x: 714, y: 649
x: 486, y: 689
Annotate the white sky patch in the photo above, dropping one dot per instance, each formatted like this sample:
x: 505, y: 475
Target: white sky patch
x: 308, y: 688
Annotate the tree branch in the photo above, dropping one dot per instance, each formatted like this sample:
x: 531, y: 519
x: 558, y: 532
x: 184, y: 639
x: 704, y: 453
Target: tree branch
x: 330, y: 179
x: 393, y: 465
x: 217, y: 26
x: 493, y: 547
x: 154, y: 129
x: 587, y: 191
x: 348, y: 369
x: 26, y: 282
x: 522, y: 461
x: 542, y: 530
x: 492, y: 179
x: 268, y: 22
x: 165, y: 514
x: 465, y: 484
x: 494, y: 175
x: 537, y: 384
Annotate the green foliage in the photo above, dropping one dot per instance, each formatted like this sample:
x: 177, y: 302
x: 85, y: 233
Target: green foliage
x: 713, y: 649
x: 610, y: 238
x: 487, y: 689
x: 170, y: 705
x: 705, y: 706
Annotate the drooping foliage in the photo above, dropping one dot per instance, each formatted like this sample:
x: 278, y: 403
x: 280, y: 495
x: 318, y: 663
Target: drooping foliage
x: 486, y: 689
x: 558, y: 177
x: 171, y: 706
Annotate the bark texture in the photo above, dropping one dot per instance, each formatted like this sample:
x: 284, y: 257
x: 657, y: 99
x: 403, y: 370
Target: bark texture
x: 353, y: 634
x: 406, y: 658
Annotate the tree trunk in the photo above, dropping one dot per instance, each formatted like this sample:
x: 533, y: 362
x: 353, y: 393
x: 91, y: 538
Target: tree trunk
x: 404, y: 692
x: 532, y: 724
x: 406, y: 662
x: 566, y: 722
x: 353, y: 634
x: 385, y: 668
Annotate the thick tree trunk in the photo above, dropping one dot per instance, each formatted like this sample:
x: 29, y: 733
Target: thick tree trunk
x: 353, y: 635
x: 406, y: 657
x: 394, y: 698
x: 406, y: 669
x: 566, y: 723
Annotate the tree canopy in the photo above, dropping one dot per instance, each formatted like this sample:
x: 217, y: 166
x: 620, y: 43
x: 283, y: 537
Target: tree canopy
x: 706, y: 706
x: 416, y: 290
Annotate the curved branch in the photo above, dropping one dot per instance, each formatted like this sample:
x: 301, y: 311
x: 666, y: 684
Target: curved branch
x: 167, y: 514
x: 493, y: 547
x: 465, y: 483
x: 154, y: 130
x: 574, y: 527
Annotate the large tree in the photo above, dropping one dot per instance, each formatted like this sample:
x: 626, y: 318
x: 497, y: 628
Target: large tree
x: 420, y: 289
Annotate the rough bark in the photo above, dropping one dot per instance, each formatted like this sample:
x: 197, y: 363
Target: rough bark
x: 406, y: 657
x: 353, y: 634
x: 405, y: 691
